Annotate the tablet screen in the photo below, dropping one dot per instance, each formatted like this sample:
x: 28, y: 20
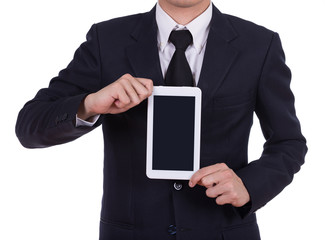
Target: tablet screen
x: 173, y: 133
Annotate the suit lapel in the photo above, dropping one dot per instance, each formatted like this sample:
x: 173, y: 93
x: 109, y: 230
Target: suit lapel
x: 143, y: 54
x: 219, y: 54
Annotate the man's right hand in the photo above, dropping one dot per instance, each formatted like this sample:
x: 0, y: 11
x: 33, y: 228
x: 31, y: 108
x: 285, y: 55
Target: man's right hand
x: 118, y: 97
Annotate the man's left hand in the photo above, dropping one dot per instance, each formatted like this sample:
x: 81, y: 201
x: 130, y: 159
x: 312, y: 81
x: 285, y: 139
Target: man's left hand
x: 222, y: 183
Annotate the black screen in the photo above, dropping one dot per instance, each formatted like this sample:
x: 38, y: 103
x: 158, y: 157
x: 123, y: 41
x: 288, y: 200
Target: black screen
x: 173, y: 133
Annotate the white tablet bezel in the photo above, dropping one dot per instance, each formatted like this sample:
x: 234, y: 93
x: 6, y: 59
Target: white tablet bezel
x: 174, y: 91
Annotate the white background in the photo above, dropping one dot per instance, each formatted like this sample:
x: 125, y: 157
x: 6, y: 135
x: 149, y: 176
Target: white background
x: 55, y: 193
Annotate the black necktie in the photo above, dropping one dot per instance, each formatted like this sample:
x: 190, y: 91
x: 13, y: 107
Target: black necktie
x: 179, y: 72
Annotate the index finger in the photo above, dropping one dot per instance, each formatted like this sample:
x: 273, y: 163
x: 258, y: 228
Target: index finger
x: 147, y: 83
x: 201, y: 173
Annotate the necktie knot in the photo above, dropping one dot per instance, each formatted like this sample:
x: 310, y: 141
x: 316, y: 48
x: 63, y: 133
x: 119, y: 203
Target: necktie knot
x: 181, y: 39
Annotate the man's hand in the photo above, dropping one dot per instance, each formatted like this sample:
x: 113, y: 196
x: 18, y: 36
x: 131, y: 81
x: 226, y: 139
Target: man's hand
x: 118, y: 97
x: 221, y: 183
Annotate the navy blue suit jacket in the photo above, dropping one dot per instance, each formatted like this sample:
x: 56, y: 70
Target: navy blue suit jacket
x: 243, y: 72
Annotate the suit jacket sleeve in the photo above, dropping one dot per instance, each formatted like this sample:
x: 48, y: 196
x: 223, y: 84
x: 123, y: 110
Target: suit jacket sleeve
x: 49, y: 118
x: 285, y: 147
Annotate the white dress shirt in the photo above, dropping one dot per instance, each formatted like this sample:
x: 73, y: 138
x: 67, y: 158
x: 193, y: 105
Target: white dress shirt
x: 199, y: 28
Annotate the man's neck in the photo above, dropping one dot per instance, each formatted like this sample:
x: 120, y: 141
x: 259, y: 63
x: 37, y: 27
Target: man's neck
x: 184, y: 13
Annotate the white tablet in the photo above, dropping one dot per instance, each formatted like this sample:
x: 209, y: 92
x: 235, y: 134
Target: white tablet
x: 173, y: 132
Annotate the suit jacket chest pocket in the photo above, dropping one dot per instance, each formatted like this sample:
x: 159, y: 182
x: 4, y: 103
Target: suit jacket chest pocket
x: 235, y: 102
x: 223, y: 110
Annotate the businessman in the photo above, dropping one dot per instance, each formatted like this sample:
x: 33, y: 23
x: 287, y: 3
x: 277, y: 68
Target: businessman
x: 240, y: 69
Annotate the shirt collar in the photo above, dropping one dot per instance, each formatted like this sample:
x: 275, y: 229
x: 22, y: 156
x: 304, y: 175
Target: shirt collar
x: 199, y: 27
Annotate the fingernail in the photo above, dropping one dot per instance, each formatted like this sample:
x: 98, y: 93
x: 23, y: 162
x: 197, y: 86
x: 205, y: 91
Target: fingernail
x: 190, y: 184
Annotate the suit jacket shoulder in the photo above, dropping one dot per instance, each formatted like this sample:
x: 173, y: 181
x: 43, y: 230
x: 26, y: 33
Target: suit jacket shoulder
x: 120, y: 23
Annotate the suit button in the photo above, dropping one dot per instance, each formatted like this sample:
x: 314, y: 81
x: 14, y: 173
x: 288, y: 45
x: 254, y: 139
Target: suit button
x: 178, y: 186
x: 172, y: 230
